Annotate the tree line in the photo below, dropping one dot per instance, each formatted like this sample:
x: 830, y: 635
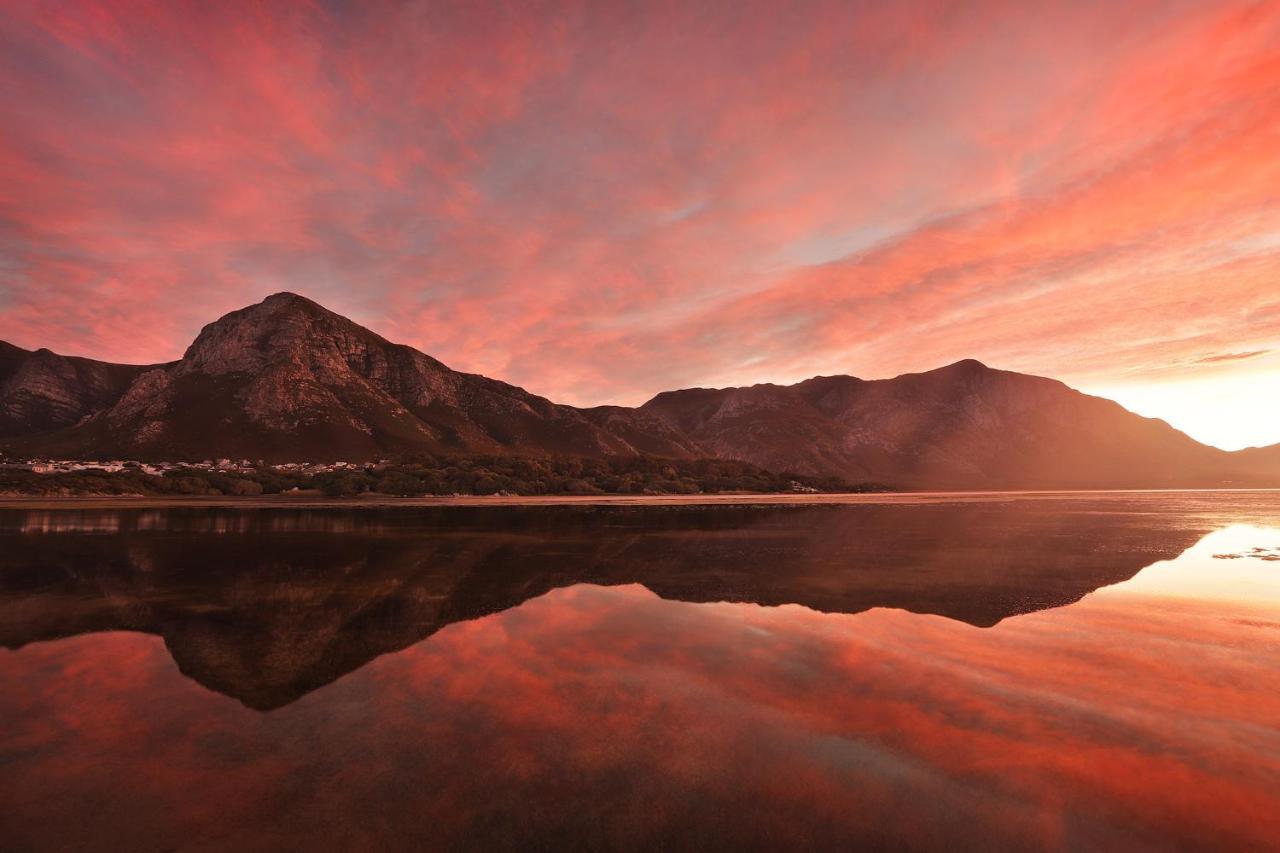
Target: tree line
x: 421, y: 475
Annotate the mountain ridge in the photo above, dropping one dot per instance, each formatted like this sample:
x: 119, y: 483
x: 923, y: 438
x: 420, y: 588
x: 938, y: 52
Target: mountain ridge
x: 41, y: 389
x: 286, y: 379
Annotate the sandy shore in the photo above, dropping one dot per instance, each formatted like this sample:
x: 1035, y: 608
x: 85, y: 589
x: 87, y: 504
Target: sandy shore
x: 384, y: 501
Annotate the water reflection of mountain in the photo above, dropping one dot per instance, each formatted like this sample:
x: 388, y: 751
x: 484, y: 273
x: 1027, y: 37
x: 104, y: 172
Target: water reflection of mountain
x: 266, y: 606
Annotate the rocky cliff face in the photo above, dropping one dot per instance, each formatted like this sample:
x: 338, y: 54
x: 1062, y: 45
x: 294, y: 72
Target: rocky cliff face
x: 42, y: 391
x: 769, y: 423
x: 287, y: 380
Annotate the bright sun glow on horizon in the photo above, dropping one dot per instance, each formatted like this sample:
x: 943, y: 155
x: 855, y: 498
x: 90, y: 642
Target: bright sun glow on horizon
x: 1227, y: 411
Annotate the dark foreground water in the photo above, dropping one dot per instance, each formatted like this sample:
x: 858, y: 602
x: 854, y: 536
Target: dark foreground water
x: 1092, y: 672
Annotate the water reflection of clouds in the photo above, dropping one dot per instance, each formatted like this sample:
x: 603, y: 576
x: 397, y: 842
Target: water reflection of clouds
x: 1108, y: 724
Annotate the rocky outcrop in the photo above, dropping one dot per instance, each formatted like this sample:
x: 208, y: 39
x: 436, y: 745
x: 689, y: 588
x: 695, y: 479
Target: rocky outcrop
x: 42, y: 391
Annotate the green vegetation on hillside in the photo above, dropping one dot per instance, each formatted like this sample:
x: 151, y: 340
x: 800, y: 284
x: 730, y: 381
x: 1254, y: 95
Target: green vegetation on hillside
x: 427, y: 475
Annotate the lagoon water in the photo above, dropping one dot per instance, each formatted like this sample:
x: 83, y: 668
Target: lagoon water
x: 1095, y: 672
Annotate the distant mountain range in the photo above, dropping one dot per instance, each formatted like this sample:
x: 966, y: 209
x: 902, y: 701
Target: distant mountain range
x: 288, y: 380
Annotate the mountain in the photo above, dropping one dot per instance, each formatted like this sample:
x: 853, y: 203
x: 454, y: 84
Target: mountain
x: 960, y: 426
x: 42, y: 391
x: 288, y: 380
x: 1263, y: 459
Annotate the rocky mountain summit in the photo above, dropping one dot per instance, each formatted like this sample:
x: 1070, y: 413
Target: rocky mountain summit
x: 288, y: 380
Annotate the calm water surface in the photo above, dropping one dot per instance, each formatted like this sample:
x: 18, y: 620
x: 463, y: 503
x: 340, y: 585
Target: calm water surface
x: 1082, y: 672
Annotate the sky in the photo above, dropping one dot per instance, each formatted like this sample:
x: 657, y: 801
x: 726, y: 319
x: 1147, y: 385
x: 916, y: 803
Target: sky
x: 600, y: 201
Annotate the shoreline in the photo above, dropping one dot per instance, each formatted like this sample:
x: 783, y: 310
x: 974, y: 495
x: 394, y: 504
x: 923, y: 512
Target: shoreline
x: 95, y: 502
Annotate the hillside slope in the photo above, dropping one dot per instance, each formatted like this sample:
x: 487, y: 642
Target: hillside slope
x: 42, y: 391
x: 287, y: 379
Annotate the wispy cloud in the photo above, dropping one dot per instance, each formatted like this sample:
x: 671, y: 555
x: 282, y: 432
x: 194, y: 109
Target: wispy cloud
x: 1232, y: 356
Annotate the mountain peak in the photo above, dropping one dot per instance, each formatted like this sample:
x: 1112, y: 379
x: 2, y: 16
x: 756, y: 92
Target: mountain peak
x: 964, y: 365
x: 958, y: 372
x: 285, y: 298
x: 286, y: 295
x: 286, y: 304
x: 283, y: 326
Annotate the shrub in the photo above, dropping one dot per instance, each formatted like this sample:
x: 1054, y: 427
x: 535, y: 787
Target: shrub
x: 403, y: 485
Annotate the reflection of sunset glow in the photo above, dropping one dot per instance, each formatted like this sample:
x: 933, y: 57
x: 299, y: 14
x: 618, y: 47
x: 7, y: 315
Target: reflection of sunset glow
x: 1240, y: 563
x: 1117, y: 722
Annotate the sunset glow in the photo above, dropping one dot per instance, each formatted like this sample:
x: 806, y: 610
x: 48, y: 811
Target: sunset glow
x: 602, y: 201
x: 1231, y: 409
